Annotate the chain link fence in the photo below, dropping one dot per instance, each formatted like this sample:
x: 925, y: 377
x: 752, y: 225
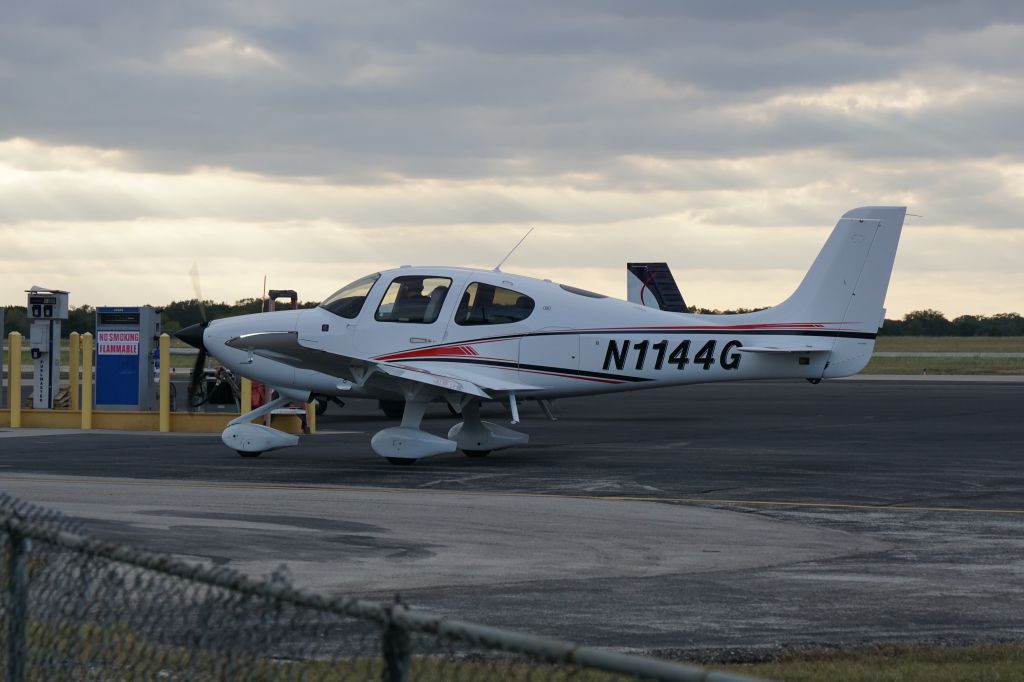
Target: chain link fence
x: 77, y: 608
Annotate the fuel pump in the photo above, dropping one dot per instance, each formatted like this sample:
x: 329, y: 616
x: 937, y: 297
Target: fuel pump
x: 46, y: 308
x: 125, y: 340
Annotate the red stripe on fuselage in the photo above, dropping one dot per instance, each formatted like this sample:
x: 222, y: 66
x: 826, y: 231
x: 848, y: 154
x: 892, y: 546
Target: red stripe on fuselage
x: 459, y: 350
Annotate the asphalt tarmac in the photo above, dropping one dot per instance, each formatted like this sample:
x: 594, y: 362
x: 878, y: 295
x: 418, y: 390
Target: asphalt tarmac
x: 717, y: 518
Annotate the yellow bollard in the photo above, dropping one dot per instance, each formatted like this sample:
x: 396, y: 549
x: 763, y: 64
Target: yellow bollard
x: 87, y: 380
x: 74, y: 358
x: 165, y: 383
x: 14, y: 377
x: 311, y: 416
x: 245, y: 399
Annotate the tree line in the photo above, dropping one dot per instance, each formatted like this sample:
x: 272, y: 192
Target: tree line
x: 173, y: 316
x: 933, y: 323
x: 181, y: 314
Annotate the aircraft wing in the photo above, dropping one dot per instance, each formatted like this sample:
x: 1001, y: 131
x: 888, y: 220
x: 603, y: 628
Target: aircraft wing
x: 284, y: 347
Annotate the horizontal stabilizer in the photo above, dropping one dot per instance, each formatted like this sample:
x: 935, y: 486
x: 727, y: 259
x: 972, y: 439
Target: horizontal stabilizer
x: 774, y: 349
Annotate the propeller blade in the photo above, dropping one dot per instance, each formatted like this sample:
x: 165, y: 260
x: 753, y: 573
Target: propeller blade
x: 193, y: 336
x: 194, y: 274
x: 197, y: 382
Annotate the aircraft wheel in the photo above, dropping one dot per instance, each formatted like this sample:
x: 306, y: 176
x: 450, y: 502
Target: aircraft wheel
x: 321, y: 406
x: 401, y: 461
x: 393, y: 409
x: 476, y: 453
x: 243, y: 453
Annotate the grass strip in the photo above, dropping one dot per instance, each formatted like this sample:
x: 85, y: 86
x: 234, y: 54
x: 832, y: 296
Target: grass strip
x: 992, y: 663
x: 954, y: 365
x: 950, y: 344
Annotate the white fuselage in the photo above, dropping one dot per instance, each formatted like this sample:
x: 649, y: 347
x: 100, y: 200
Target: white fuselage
x: 570, y: 344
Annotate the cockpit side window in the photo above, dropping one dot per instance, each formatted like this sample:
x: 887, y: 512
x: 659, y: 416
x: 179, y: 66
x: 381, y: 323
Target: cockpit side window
x: 413, y: 298
x: 348, y: 301
x: 488, y: 304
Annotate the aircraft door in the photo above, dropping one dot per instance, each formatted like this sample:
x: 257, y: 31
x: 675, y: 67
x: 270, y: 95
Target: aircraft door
x: 409, y: 315
x: 550, y: 357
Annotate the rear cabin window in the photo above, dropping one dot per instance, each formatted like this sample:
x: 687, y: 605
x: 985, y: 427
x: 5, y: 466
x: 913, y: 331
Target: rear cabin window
x: 581, y: 292
x: 348, y: 301
x: 487, y: 304
x: 413, y: 298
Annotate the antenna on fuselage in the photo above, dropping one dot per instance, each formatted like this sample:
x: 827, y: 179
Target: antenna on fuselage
x: 497, y: 268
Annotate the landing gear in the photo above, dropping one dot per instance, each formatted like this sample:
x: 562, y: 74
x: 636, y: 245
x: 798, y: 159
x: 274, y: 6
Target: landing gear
x: 406, y: 443
x: 252, y: 440
x: 477, y: 438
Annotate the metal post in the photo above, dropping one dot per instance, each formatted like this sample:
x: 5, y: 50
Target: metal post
x: 245, y: 397
x: 17, y: 589
x: 14, y: 377
x: 74, y: 365
x: 396, y: 648
x: 87, y: 380
x: 165, y: 383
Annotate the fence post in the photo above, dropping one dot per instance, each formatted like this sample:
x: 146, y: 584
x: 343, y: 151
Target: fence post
x: 14, y: 377
x: 74, y: 361
x: 245, y: 396
x: 87, y: 380
x: 165, y: 383
x: 396, y: 648
x: 17, y: 588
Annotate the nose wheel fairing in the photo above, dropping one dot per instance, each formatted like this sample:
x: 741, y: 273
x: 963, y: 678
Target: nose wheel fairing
x: 250, y: 439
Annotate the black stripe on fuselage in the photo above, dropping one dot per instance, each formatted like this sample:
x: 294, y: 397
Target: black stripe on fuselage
x: 534, y: 368
x: 705, y: 332
x: 648, y: 330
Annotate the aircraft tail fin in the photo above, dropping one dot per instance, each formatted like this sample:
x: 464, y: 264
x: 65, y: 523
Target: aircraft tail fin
x: 652, y: 285
x: 846, y: 285
x: 842, y: 295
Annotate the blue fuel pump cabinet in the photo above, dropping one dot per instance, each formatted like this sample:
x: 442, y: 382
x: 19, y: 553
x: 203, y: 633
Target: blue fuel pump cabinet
x: 125, y: 339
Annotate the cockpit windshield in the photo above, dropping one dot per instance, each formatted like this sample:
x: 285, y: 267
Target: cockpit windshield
x: 348, y: 301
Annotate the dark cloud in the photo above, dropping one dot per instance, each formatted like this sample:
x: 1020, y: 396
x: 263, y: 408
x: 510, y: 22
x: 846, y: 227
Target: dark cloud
x: 358, y: 90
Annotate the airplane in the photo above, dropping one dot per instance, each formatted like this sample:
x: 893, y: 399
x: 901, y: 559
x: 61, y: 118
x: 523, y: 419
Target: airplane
x: 471, y: 336
x: 652, y: 284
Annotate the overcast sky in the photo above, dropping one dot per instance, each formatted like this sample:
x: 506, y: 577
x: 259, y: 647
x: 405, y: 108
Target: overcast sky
x: 315, y: 142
